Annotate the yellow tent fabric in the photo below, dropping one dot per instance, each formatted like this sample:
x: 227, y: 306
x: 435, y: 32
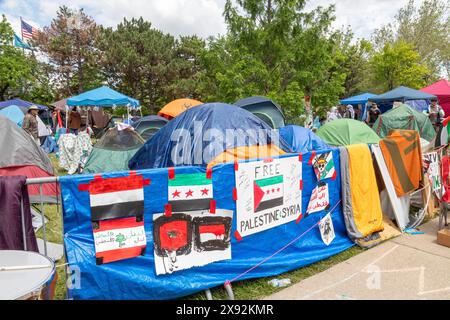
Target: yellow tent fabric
x: 245, y: 153
x: 174, y: 108
x: 363, y: 184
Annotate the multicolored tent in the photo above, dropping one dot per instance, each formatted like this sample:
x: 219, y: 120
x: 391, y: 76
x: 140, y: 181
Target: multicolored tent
x: 176, y: 107
x: 302, y: 140
x: 344, y: 132
x: 113, y: 151
x: 199, y: 136
x: 21, y: 156
x: 406, y: 118
x: 265, y: 109
x: 441, y: 90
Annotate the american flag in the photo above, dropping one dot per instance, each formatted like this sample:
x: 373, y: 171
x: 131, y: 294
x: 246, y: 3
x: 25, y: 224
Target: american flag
x: 28, y: 31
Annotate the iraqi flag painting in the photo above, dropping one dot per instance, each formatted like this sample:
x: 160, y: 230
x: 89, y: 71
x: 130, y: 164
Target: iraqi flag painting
x: 268, y: 193
x: 117, y: 212
x: 187, y: 192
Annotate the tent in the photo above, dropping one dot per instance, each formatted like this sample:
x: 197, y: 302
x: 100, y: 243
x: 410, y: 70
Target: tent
x: 102, y: 97
x: 22, y: 156
x: 415, y: 98
x: 406, y: 118
x: 301, y: 139
x: 113, y: 151
x: 16, y: 115
x: 174, y: 108
x: 441, y: 89
x: 149, y: 125
x: 344, y: 132
x: 200, y: 135
x: 265, y: 109
x: 359, y: 99
x: 21, y: 103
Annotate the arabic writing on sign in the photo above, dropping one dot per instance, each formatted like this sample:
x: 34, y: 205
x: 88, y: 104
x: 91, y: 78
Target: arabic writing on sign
x: 319, y: 199
x: 119, y: 238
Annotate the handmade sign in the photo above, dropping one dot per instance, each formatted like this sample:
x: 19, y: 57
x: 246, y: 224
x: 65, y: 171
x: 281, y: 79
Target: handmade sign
x: 319, y: 199
x: 119, y: 239
x: 192, y: 191
x: 431, y: 167
x: 268, y: 194
x: 327, y: 229
x: 324, y: 166
x: 191, y: 239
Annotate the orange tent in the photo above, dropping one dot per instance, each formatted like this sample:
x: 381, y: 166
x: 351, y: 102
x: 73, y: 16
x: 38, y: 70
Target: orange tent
x: 174, y: 108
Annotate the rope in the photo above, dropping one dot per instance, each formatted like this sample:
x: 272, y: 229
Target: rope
x: 228, y: 282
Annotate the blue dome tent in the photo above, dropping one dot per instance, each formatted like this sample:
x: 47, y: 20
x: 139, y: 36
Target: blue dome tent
x: 302, y: 140
x: 194, y: 137
x: 265, y: 109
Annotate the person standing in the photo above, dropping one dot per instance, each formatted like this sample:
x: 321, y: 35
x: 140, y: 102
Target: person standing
x: 30, y: 124
x: 372, y: 114
x: 435, y: 113
x: 74, y: 121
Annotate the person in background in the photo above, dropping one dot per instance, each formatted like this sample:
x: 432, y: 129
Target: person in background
x: 74, y: 121
x: 333, y: 114
x: 30, y: 124
x: 349, y: 112
x: 435, y: 113
x: 372, y: 114
x: 358, y: 112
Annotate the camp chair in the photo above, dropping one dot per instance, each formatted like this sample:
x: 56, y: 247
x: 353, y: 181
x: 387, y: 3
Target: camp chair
x: 445, y: 199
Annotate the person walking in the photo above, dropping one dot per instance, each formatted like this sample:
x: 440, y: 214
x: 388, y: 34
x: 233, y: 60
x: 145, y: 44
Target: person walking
x: 30, y: 124
x: 74, y: 121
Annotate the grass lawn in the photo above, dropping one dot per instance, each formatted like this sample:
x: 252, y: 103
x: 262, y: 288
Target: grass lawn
x: 243, y: 290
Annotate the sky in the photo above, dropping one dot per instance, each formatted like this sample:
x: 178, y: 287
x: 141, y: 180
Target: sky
x: 186, y: 17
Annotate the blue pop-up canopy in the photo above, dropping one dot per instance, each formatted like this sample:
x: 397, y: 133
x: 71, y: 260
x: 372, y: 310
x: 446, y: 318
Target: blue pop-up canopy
x: 102, y: 97
x: 20, y: 103
x: 359, y: 99
x: 402, y: 94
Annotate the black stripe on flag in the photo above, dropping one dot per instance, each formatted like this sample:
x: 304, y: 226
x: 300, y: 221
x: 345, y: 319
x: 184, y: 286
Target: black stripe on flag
x: 117, y: 210
x: 190, y: 205
x: 270, y: 204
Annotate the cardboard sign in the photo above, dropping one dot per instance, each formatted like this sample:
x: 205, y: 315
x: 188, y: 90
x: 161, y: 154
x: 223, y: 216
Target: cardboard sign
x: 191, y: 239
x: 268, y: 194
x: 432, y: 168
x: 320, y: 199
x: 327, y: 229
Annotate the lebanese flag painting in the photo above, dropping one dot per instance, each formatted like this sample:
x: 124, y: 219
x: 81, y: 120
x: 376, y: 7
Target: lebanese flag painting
x: 188, y: 192
x: 268, y: 193
x: 119, y: 239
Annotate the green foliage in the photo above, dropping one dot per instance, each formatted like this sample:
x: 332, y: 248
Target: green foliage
x: 398, y: 65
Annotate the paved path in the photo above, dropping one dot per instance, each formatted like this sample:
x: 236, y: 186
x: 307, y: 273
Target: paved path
x: 407, y: 267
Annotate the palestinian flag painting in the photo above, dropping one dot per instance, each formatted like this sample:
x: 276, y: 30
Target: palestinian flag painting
x: 268, y: 193
x: 443, y: 136
x: 188, y: 192
x: 324, y: 166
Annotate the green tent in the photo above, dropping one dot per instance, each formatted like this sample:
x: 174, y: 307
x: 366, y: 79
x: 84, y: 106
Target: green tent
x: 344, y: 132
x: 405, y: 118
x: 113, y: 151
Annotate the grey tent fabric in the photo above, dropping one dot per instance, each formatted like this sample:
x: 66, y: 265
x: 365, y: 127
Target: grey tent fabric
x: 19, y: 148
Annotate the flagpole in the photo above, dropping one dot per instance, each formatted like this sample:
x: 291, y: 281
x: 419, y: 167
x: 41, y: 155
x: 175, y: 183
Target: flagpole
x: 21, y: 34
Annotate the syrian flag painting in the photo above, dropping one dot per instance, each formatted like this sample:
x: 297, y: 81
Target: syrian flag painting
x: 117, y: 213
x: 268, y: 194
x: 191, y: 239
x: 193, y: 191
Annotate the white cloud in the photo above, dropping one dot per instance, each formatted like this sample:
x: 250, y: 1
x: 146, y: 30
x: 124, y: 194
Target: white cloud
x: 185, y: 17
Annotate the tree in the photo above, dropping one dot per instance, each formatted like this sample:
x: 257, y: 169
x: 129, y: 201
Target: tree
x: 397, y: 65
x: 70, y: 46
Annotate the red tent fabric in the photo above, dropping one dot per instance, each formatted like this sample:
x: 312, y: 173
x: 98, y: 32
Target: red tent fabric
x: 441, y: 89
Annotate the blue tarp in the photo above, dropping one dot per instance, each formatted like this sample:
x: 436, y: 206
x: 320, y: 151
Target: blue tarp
x: 20, y: 103
x: 302, y: 140
x: 13, y: 113
x: 198, y: 135
x: 402, y: 94
x: 136, y: 278
x: 359, y: 99
x: 102, y: 97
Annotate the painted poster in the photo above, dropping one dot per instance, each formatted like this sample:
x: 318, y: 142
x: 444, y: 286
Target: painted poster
x: 118, y: 239
x: 191, y: 239
x: 268, y: 194
x: 193, y: 191
x: 432, y: 168
x: 327, y: 229
x: 324, y: 166
x: 319, y: 200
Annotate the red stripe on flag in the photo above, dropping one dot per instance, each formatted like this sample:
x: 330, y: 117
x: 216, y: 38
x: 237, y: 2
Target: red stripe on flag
x: 238, y: 236
x: 120, y: 254
x: 234, y: 194
x: 313, y: 154
x: 334, y: 175
x: 121, y: 223
x: 168, y: 210
x: 209, y: 173
x: 212, y: 206
x: 100, y: 185
x: 171, y: 173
